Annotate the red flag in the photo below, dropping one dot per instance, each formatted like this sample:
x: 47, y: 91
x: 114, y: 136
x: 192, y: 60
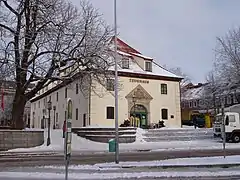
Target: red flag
x: 2, y: 101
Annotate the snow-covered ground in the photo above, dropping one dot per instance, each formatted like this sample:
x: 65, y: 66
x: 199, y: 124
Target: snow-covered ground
x: 86, y: 146
x: 135, y: 170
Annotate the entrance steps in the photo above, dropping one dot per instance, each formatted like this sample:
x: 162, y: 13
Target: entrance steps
x: 160, y: 135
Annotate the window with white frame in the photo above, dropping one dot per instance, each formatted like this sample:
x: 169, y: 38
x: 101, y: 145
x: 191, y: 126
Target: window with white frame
x: 125, y: 63
x: 148, y: 66
x: 110, y: 85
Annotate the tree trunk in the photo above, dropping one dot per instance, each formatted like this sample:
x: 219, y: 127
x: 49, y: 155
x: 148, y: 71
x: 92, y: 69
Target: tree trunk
x: 19, y: 103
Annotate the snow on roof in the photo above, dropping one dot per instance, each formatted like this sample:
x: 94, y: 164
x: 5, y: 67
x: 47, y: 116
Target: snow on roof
x: 124, y: 54
x: 193, y: 93
x: 142, y: 56
x: 157, y: 70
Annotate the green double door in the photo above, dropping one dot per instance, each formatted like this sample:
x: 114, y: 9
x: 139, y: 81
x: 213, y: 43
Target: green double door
x: 142, y: 118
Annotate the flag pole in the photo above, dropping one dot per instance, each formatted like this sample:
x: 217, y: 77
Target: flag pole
x: 116, y: 85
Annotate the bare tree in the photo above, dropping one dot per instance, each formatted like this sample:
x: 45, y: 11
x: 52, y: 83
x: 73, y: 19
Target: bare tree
x: 228, y: 60
x: 39, y: 36
x: 178, y: 71
x: 211, y: 91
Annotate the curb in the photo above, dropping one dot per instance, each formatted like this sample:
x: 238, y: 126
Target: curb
x: 175, y: 166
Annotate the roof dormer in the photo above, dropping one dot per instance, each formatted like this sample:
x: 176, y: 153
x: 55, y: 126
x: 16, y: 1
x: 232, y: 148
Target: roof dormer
x: 148, y: 66
x: 125, y: 62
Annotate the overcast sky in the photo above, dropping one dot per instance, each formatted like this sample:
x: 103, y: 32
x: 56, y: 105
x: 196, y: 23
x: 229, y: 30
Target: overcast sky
x: 176, y: 33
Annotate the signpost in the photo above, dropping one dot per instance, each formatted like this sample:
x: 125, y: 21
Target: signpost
x: 223, y: 132
x: 68, y: 137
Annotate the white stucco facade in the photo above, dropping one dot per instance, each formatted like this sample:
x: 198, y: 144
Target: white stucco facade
x: 147, y: 92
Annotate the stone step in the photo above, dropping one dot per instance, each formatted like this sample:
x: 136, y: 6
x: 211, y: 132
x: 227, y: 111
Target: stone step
x: 177, y: 134
x: 181, y: 130
x: 183, y: 138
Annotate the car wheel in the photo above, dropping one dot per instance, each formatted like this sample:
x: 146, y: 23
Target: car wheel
x: 236, y: 138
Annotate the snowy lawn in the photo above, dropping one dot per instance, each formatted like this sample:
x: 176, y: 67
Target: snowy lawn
x: 86, y: 146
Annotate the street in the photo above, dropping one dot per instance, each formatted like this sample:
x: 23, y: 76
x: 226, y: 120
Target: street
x: 77, y: 158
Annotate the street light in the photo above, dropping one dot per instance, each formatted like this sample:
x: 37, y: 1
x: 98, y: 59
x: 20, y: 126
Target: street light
x: 116, y: 85
x: 49, y: 107
x: 54, y: 118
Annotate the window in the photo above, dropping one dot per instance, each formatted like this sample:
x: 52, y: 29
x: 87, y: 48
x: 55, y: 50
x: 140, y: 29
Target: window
x: 84, y: 120
x: 76, y: 113
x: 57, y: 97
x: 195, y: 104
x: 201, y: 102
x: 164, y: 114
x: 50, y: 98
x: 223, y: 100
x: 34, y: 105
x: 57, y: 118
x: 110, y: 112
x: 190, y: 104
x: 77, y: 88
x: 45, y: 102
x: 235, y: 99
x: 65, y: 92
x: 231, y: 118
x: 182, y: 104
x: 110, y: 84
x: 148, y: 66
x: 229, y: 100
x: 125, y: 63
x: 163, y: 88
x: 38, y: 104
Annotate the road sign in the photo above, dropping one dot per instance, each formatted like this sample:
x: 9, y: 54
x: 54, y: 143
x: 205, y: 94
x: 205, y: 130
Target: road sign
x: 68, y: 136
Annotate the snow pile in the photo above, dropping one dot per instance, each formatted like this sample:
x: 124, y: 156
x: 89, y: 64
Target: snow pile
x: 82, y: 145
x: 197, y: 161
x: 140, y: 135
x: 57, y: 144
x: 121, y: 175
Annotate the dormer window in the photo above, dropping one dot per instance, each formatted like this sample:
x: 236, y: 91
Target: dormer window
x: 125, y: 63
x: 148, y: 66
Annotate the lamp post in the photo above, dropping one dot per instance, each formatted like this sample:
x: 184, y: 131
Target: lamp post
x: 49, y: 107
x: 54, y: 117
x: 116, y: 85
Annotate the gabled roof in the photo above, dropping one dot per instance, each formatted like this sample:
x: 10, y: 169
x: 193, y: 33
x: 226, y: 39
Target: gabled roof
x: 124, y: 47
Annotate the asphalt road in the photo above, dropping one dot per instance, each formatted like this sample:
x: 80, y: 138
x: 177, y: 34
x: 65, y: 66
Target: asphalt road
x: 58, y: 159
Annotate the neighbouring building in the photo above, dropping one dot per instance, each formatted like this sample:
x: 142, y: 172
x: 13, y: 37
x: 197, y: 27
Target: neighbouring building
x: 145, y: 89
x: 198, y: 100
x: 7, y: 92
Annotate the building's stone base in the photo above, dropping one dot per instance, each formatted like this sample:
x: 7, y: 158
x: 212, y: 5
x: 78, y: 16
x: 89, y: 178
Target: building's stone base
x: 12, y: 139
x: 103, y: 135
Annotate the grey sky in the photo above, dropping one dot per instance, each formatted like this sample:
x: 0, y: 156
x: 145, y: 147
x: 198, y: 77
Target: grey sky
x: 176, y: 33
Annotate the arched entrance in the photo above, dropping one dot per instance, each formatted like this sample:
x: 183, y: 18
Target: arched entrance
x: 140, y: 111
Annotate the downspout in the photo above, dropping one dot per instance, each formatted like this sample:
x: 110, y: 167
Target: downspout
x: 180, y: 102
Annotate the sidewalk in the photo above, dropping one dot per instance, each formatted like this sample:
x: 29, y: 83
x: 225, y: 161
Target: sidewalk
x: 198, y: 162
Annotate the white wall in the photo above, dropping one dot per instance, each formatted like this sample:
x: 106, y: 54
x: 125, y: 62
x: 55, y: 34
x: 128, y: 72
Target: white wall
x: 79, y: 101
